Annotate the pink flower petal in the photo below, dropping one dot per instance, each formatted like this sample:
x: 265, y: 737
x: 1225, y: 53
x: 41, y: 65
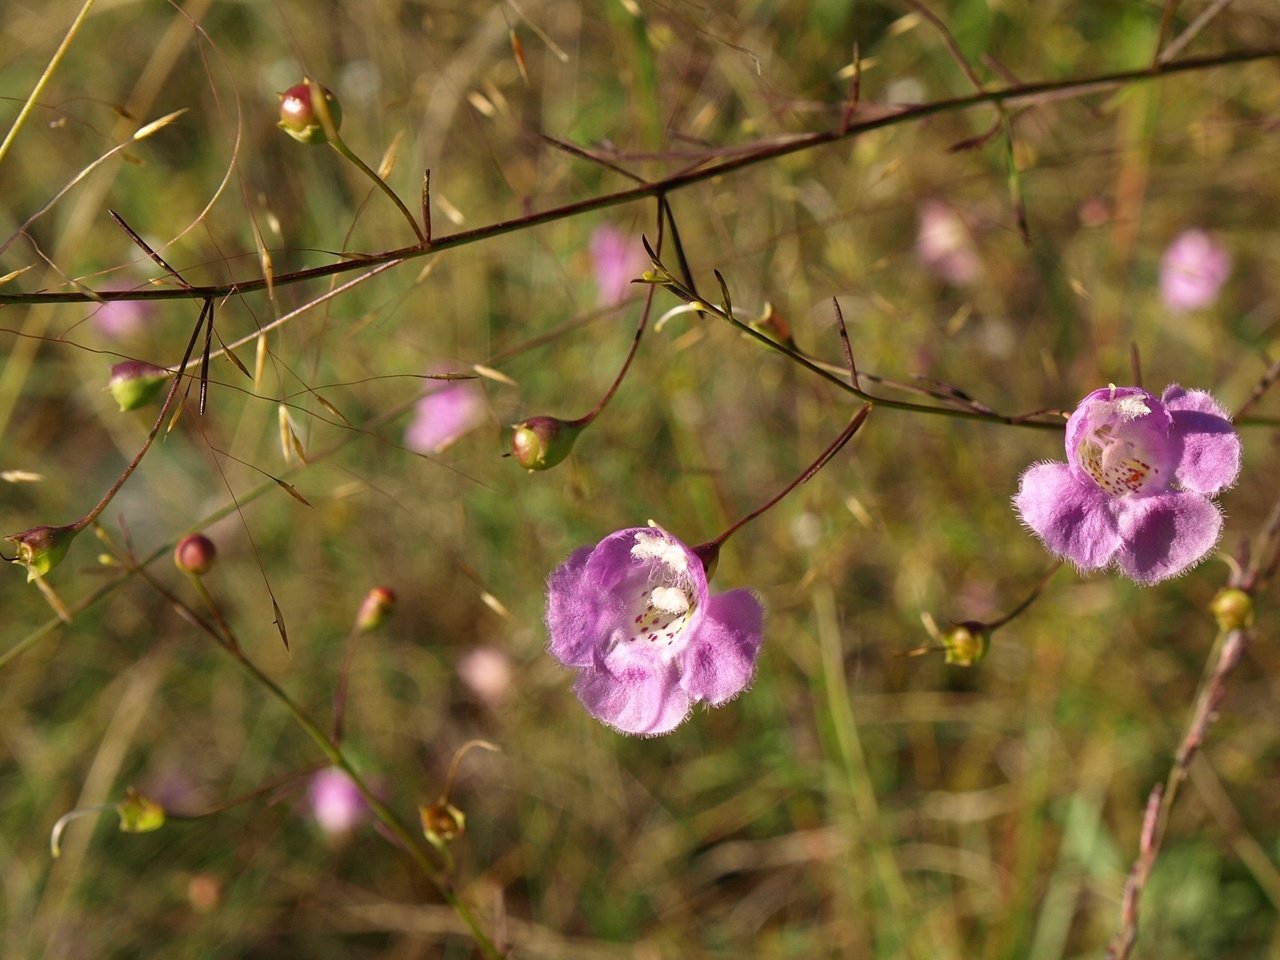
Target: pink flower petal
x: 1167, y: 535
x: 443, y: 416
x: 1071, y: 516
x: 645, y: 703
x: 722, y: 663
x: 1210, y: 445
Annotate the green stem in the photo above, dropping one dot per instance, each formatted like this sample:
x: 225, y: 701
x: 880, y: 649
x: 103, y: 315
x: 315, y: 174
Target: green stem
x: 340, y: 145
x: 45, y: 77
x: 408, y: 839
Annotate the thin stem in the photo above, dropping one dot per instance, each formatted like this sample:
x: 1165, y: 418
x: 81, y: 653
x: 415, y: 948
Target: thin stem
x: 1230, y: 647
x: 626, y: 365
x: 713, y: 546
x: 1031, y: 598
x: 768, y: 151
x: 406, y: 836
x: 45, y: 77
x: 340, y: 145
x: 206, y: 312
x: 673, y: 285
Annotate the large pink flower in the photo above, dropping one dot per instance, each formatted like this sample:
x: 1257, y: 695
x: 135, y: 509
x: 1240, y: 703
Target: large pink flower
x: 633, y: 615
x: 1135, y: 489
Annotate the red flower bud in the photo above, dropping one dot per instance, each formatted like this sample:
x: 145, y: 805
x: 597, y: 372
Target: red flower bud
x: 300, y: 115
x: 194, y: 554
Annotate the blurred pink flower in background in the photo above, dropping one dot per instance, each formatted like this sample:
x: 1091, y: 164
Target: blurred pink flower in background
x: 119, y: 318
x: 944, y: 246
x: 336, y: 804
x: 487, y: 673
x: 617, y: 258
x: 1192, y: 271
x: 448, y: 410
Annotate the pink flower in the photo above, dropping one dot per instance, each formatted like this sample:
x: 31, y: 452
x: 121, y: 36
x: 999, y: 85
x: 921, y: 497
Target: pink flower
x: 447, y: 411
x: 944, y: 246
x: 616, y: 259
x: 335, y: 802
x: 633, y: 615
x: 1135, y: 489
x: 118, y: 319
x: 1192, y: 271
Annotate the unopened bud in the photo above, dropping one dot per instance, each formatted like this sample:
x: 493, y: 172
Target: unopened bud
x: 40, y: 549
x: 539, y: 443
x: 139, y: 814
x: 194, y: 554
x: 377, y: 606
x: 966, y: 643
x: 135, y: 383
x: 300, y: 114
x: 1232, y: 608
x: 441, y: 822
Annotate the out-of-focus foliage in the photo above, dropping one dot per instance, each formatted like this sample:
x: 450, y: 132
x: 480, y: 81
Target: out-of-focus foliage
x: 855, y: 802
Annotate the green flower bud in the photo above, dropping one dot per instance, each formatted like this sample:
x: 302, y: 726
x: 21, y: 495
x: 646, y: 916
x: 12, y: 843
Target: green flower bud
x: 40, y: 549
x: 1232, y: 608
x: 539, y: 443
x: 377, y: 606
x: 135, y: 383
x: 966, y: 643
x: 194, y: 554
x: 300, y: 115
x: 138, y: 814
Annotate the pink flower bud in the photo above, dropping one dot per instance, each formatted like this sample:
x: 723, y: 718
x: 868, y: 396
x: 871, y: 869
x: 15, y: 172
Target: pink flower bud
x: 135, y: 383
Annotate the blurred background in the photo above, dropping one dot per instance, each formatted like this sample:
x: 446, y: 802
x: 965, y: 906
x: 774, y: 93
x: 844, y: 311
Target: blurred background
x: 857, y: 801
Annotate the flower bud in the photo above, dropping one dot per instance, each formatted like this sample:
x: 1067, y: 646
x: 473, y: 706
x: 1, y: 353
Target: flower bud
x: 1232, y: 608
x: 194, y: 554
x: 138, y: 814
x: 40, y: 549
x: 539, y: 443
x: 966, y: 643
x: 377, y: 606
x: 300, y: 115
x: 442, y: 821
x: 135, y: 383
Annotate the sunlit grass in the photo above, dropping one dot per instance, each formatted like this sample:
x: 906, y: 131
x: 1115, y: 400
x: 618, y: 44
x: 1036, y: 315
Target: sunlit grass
x: 856, y: 800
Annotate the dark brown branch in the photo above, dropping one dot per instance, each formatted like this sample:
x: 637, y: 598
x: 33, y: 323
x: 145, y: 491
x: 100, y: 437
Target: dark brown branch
x: 765, y: 152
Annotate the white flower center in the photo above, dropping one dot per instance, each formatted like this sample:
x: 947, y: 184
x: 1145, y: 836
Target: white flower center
x: 1115, y: 450
x: 659, y: 614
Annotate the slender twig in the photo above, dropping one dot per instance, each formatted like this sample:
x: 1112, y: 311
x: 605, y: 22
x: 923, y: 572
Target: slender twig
x: 762, y: 153
x: 29, y: 104
x: 663, y: 277
x: 206, y: 315
x: 1160, y: 802
x: 712, y: 547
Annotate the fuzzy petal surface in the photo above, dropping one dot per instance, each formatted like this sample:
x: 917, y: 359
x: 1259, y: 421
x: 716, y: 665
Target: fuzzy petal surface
x: 640, y: 702
x: 1167, y: 535
x: 1210, y: 445
x: 721, y: 662
x: 1072, y: 516
x: 574, y: 612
